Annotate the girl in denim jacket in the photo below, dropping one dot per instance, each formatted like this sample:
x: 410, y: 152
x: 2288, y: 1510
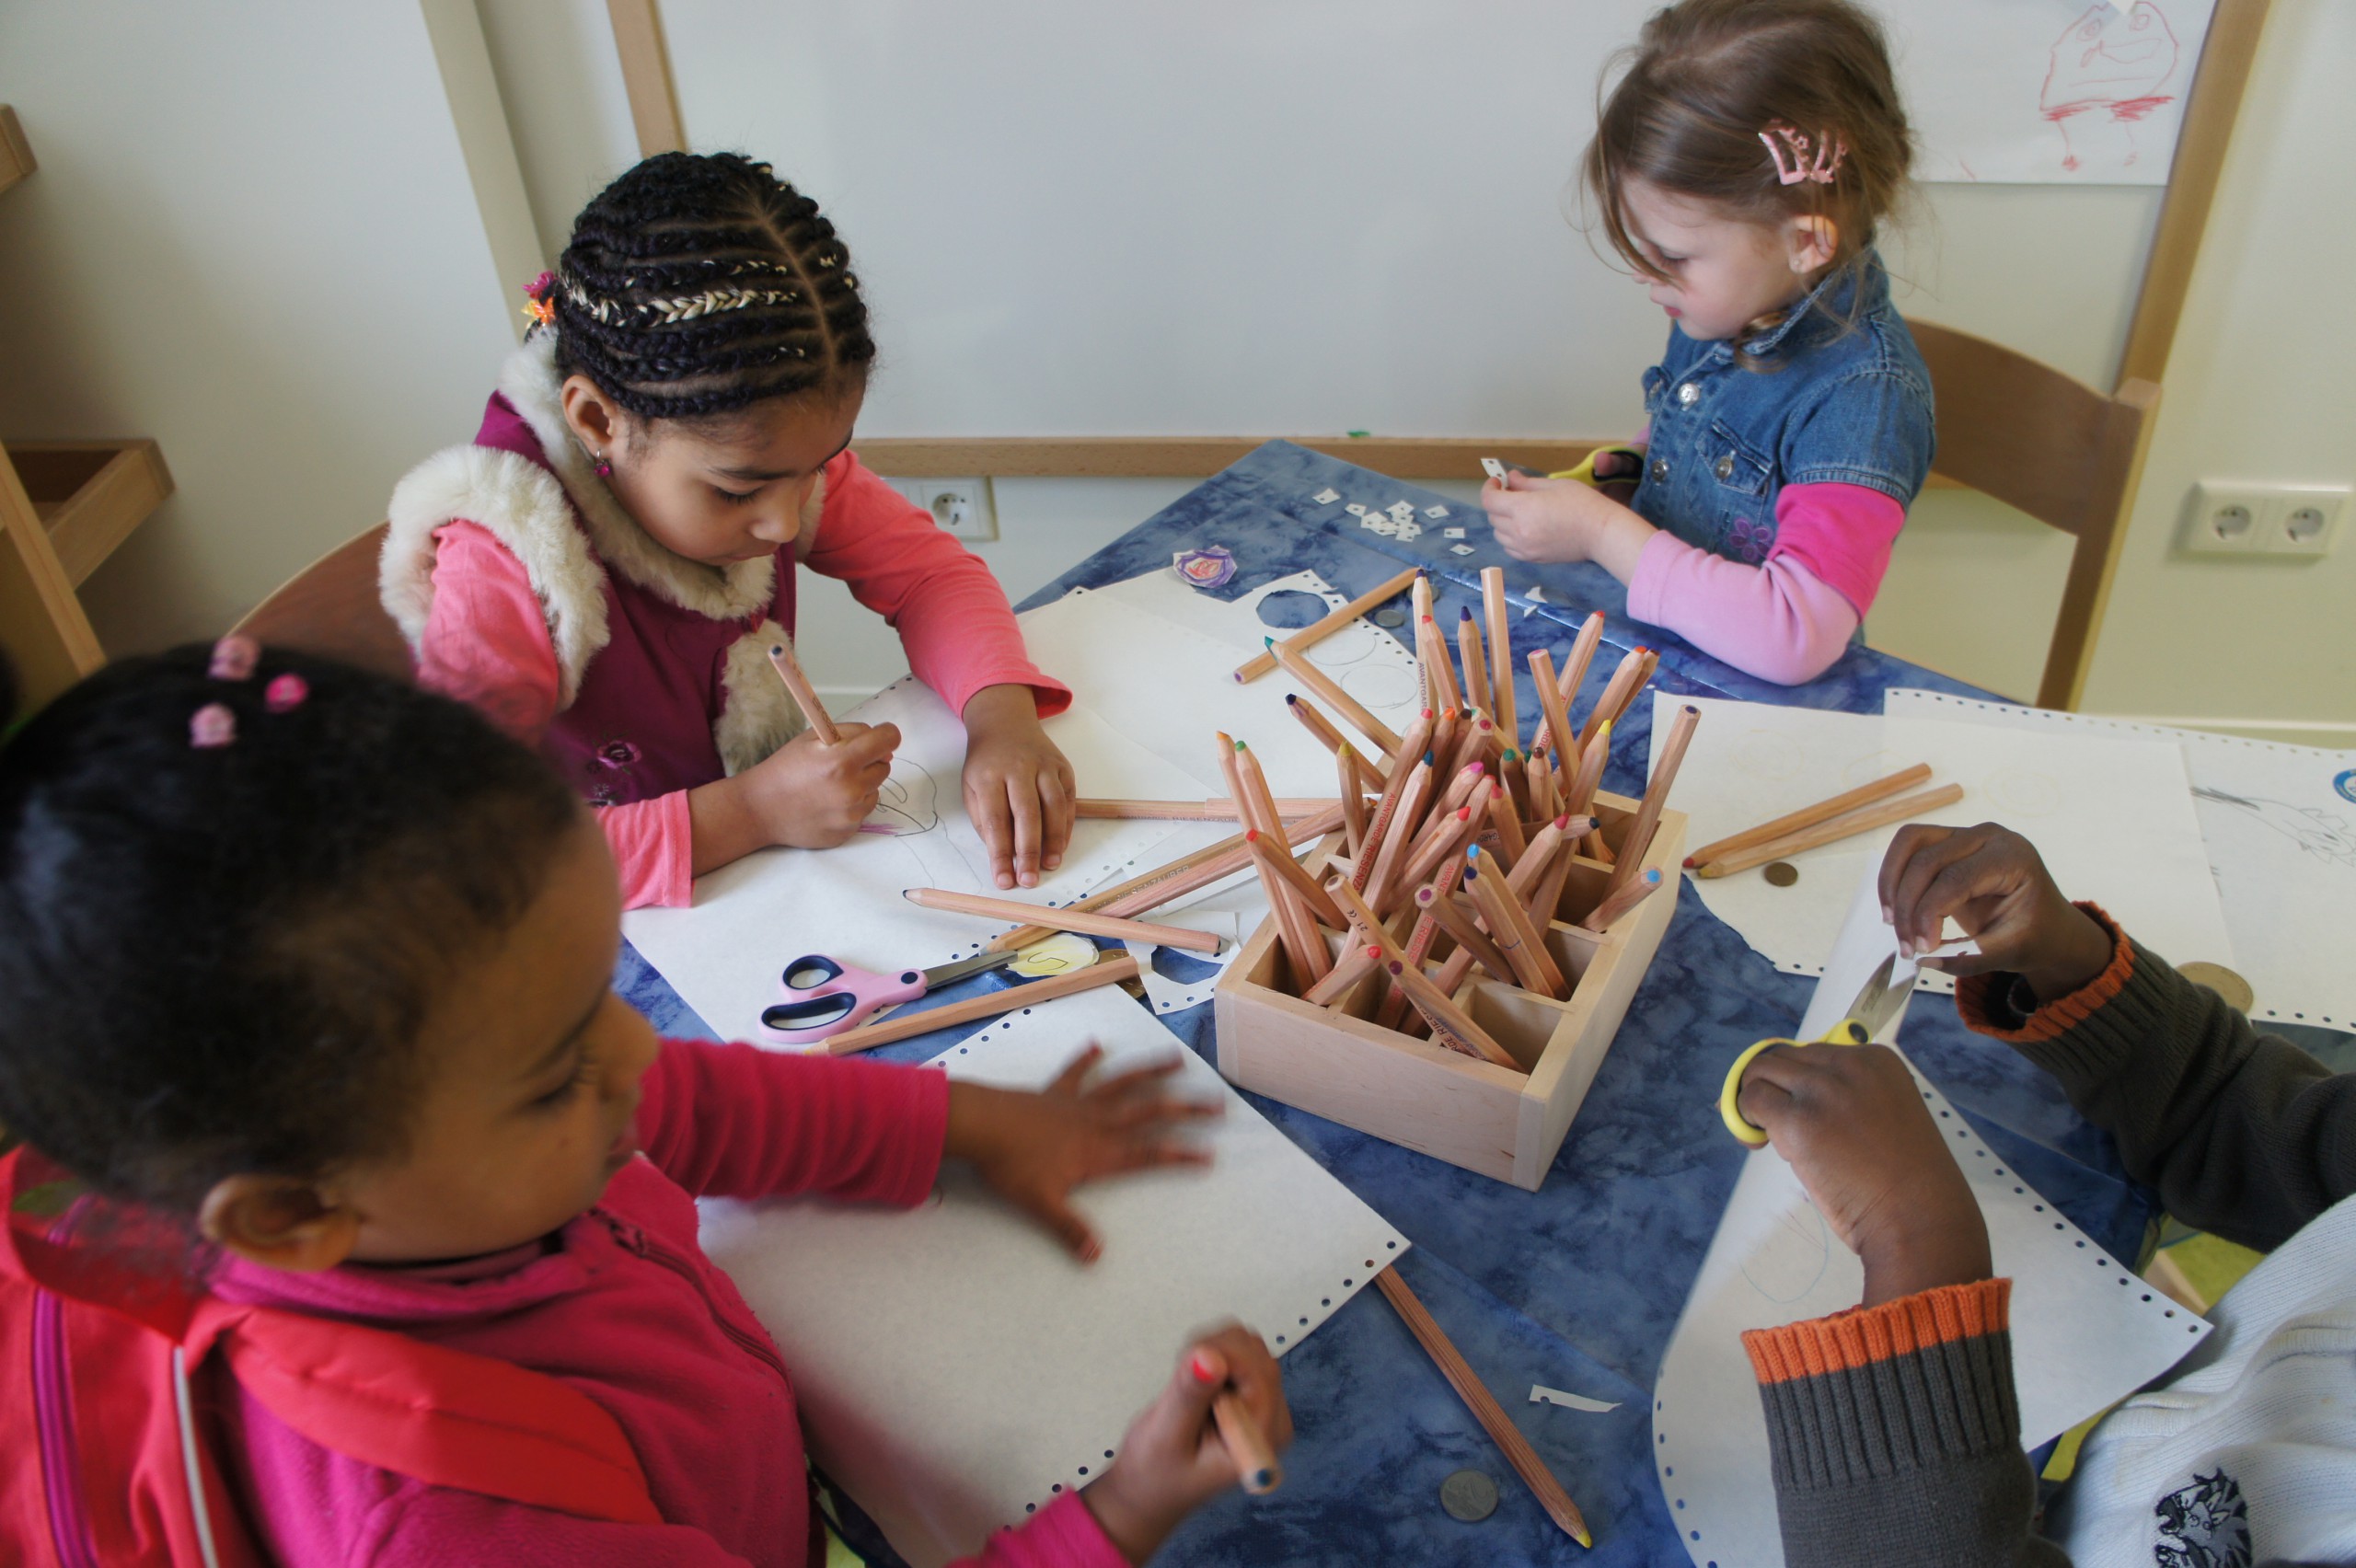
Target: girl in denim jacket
x: 1741, y: 166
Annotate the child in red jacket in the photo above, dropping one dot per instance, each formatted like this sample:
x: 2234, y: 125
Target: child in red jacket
x: 318, y: 964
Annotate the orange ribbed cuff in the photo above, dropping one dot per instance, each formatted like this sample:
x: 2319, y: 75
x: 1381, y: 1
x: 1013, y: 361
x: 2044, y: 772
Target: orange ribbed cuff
x: 1848, y: 1340
x: 2056, y: 1018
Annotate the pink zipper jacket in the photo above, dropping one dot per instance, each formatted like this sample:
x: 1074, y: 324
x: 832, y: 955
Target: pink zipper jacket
x: 622, y: 1305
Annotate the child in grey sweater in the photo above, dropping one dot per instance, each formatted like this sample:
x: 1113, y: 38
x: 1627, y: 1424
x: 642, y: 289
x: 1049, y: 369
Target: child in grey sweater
x: 1895, y: 1434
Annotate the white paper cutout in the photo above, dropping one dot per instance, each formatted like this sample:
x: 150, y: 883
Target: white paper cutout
x: 2112, y: 817
x: 2280, y: 824
x: 954, y: 1365
x: 1327, y: 496
x: 1452, y: 533
x: 1459, y: 549
x: 1542, y: 1395
x: 1435, y: 512
x: 2085, y: 1331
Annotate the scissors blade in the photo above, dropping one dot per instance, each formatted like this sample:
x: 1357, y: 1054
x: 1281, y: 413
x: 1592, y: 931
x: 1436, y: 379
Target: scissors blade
x: 942, y: 974
x: 1879, y: 1002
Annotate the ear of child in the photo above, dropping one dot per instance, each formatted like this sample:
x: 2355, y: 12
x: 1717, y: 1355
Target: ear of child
x: 1172, y: 1459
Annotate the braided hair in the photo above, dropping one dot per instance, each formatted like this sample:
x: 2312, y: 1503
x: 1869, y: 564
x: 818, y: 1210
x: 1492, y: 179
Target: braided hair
x: 699, y: 282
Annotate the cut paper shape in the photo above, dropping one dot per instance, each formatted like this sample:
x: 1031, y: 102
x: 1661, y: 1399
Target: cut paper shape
x: 1435, y: 513
x: 1198, y: 973
x: 723, y: 952
x: 1541, y: 1395
x: 1327, y: 496
x: 2112, y: 816
x: 1356, y: 509
x: 2085, y: 1331
x: 956, y: 1368
x: 1452, y: 533
x: 1459, y: 549
x: 2282, y: 843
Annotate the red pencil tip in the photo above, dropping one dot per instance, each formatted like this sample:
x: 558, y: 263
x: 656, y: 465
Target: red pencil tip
x: 1563, y: 822
x: 1250, y: 835
x: 1689, y: 862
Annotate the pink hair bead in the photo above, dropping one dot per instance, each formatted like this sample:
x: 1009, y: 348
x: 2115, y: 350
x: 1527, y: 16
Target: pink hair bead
x: 210, y: 726
x: 285, y: 693
x: 234, y: 657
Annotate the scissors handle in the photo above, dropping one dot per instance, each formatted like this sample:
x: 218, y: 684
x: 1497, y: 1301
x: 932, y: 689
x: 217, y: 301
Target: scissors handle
x: 1848, y: 1032
x: 824, y: 996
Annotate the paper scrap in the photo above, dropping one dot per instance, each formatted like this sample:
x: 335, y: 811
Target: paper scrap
x: 1542, y: 1395
x: 1452, y: 533
x: 2085, y: 1331
x: 955, y: 1368
x: 1459, y: 549
x: 1402, y: 509
x: 1327, y: 496
x: 2281, y: 831
x: 1356, y: 509
x: 1435, y: 512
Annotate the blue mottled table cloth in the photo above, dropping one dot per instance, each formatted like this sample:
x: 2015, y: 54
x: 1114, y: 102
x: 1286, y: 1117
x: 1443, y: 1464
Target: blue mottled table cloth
x: 1578, y: 1285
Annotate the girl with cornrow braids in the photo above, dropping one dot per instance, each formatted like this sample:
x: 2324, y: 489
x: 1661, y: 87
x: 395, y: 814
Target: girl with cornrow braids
x: 604, y: 569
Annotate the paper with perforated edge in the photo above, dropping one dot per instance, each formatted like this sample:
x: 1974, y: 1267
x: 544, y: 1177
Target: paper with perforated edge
x: 2085, y: 1331
x: 956, y: 1368
x: 2112, y: 816
x: 2280, y: 824
x: 723, y: 952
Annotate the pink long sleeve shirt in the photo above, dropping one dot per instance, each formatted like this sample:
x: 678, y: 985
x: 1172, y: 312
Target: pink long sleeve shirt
x: 487, y: 639
x: 623, y: 1305
x: 1789, y: 617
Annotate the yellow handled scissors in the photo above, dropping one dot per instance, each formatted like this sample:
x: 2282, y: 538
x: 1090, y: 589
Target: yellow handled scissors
x: 1874, y: 1006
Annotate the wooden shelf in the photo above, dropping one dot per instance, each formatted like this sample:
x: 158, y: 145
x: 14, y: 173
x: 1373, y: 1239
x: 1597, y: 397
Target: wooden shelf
x: 90, y: 495
x: 16, y: 153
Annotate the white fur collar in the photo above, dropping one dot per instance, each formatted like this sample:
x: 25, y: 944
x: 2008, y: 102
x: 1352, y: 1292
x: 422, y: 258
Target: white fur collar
x: 530, y: 382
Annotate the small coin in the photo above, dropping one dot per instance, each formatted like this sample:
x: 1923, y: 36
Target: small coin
x: 1781, y: 873
x: 2222, y: 980
x: 1391, y: 614
x: 1468, y: 1495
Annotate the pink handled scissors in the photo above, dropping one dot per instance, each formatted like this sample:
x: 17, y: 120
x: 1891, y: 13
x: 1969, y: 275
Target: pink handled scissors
x: 826, y: 998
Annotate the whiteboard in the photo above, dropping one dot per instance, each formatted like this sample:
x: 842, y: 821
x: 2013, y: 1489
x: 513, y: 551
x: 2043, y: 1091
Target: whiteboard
x: 1306, y: 216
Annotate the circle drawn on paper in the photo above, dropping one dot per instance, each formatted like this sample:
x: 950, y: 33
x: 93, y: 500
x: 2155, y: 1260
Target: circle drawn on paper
x: 2224, y: 981
x: 1785, y: 1275
x: 1379, y: 686
x: 1346, y: 646
x: 1763, y: 754
x: 1781, y: 873
x: 1868, y: 768
x: 2023, y: 793
x: 1468, y: 1495
x: 1289, y: 609
x: 2346, y: 784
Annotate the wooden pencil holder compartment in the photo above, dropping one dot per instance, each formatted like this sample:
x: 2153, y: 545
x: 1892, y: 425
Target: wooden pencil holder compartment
x: 1421, y: 1095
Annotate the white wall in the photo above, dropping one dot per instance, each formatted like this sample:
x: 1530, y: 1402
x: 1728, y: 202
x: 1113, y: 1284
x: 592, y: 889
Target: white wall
x: 253, y: 237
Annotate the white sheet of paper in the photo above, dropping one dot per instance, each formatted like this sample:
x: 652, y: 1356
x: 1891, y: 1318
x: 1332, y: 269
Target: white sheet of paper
x: 2082, y: 92
x: 2112, y: 815
x: 725, y: 952
x: 1157, y: 659
x: 2280, y: 824
x: 2085, y: 1331
x: 957, y: 1367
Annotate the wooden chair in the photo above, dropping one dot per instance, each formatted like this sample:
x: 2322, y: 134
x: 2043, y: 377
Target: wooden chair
x: 2020, y: 431
x: 330, y: 608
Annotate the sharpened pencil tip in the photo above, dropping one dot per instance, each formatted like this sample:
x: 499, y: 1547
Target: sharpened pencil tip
x: 1269, y: 643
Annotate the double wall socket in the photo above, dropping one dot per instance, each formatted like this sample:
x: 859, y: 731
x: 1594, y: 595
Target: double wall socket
x: 2234, y: 519
x: 964, y: 508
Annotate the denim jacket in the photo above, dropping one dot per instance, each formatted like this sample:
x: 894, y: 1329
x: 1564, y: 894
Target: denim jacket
x: 1829, y: 405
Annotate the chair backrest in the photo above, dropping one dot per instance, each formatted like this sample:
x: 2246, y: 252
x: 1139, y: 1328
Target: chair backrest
x: 2020, y: 431
x: 331, y: 608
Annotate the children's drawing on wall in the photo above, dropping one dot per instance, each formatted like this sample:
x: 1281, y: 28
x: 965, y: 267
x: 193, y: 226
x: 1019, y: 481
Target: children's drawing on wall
x: 2110, y: 71
x: 2083, y: 92
x: 2327, y: 837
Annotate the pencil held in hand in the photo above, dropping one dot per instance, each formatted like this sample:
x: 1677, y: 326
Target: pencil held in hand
x: 789, y: 670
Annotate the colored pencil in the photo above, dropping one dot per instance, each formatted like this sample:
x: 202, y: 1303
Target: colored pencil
x: 1458, y: 922
x: 1308, y: 637
x: 1247, y: 1443
x: 1555, y: 704
x: 1329, y: 737
x: 1106, y: 971
x: 1084, y: 922
x: 1446, y: 841
x: 789, y: 670
x: 1288, y: 870
x: 1471, y: 740
x: 1342, y: 702
x: 1442, y: 664
x: 1639, y: 836
x: 1353, y: 802
x: 1445, y: 1017
x: 1484, y: 1407
x: 1582, y: 654
x: 1510, y: 928
x: 1514, y: 769
x: 1348, y: 970
x: 1461, y: 786
x: 1808, y: 816
x: 1839, y: 828
x: 1155, y: 892
x: 1394, y: 840
x: 1493, y: 601
x: 1581, y: 793
x: 1295, y: 925
x: 1387, y: 805
x: 1474, y: 657
x: 1506, y: 821
x: 1215, y: 807
x: 1622, y: 899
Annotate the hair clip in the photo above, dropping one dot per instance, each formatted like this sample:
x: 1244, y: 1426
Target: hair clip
x: 234, y: 657
x: 539, y: 301
x: 1789, y: 148
x: 285, y: 693
x: 212, y: 726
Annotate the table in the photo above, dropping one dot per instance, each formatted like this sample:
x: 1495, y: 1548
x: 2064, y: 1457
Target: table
x: 1578, y: 1285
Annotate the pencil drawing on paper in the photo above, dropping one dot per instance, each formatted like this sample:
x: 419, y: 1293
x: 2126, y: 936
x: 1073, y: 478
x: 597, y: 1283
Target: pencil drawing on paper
x: 1791, y: 1261
x: 910, y: 802
x: 2327, y: 838
x: 2103, y: 77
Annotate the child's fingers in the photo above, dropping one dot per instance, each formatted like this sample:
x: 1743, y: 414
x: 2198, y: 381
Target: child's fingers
x: 1917, y: 915
x: 1765, y: 1104
x: 985, y: 806
x: 1022, y: 801
x: 1076, y: 1071
x: 1057, y: 804
x: 1050, y: 1210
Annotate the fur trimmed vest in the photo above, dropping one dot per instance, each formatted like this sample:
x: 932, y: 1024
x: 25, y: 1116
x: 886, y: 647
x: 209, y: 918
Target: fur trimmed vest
x: 663, y: 661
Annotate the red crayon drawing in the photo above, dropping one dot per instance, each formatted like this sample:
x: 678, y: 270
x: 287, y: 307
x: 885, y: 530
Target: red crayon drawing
x: 2108, y: 65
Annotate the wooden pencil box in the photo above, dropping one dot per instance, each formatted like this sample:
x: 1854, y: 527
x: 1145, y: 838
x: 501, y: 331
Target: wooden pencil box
x: 1418, y: 1093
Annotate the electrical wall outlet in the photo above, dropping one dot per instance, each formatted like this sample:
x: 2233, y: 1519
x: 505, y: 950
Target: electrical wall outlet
x: 964, y: 508
x: 2225, y: 518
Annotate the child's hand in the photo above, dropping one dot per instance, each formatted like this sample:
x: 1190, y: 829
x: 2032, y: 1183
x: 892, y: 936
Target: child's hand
x: 1562, y: 520
x: 1862, y: 1142
x: 813, y: 795
x: 1993, y: 883
x: 1035, y: 1148
x: 1171, y: 1460
x: 1019, y: 788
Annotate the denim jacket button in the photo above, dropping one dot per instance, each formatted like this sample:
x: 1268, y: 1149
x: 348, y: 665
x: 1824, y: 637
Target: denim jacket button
x: 1724, y: 469
x: 1660, y: 469
x: 1688, y: 395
